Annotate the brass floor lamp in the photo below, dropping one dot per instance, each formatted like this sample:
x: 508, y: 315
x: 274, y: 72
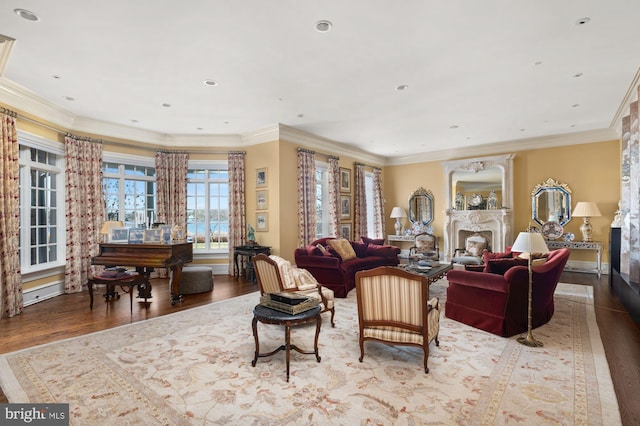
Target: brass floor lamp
x: 530, y: 242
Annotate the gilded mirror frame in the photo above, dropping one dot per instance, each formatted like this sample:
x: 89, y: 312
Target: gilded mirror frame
x: 421, y: 207
x: 554, y: 198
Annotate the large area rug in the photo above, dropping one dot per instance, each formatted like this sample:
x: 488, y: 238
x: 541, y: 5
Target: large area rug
x: 194, y: 367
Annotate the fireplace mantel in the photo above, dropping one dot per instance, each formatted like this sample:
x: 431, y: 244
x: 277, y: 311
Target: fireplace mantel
x: 499, y: 221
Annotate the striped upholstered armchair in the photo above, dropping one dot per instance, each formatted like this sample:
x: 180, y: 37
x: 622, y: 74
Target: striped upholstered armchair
x: 394, y: 308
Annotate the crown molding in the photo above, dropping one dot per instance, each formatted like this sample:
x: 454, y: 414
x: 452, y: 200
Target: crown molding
x: 630, y: 96
x: 315, y: 142
x: 577, y: 138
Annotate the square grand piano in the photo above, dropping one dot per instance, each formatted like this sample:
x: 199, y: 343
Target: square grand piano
x: 146, y: 257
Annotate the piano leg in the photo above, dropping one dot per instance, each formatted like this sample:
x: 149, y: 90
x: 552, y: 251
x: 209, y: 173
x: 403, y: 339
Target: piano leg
x: 176, y: 276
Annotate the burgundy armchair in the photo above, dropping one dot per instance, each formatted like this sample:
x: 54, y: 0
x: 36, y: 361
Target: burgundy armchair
x: 498, y: 303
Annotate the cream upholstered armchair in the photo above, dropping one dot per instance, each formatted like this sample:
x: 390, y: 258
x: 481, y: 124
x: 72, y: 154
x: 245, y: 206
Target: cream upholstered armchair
x: 471, y: 254
x: 275, y: 274
x: 394, y: 308
x: 425, y: 245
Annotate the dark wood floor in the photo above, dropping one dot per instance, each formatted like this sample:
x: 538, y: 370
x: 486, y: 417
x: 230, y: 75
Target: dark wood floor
x: 69, y: 315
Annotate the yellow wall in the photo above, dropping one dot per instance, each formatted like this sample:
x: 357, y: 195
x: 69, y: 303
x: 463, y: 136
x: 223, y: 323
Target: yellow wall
x: 592, y: 171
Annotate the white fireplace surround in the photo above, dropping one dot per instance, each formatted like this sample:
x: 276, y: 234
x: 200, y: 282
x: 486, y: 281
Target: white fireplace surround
x: 460, y: 223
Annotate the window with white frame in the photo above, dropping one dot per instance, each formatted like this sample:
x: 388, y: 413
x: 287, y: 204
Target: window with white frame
x: 208, y: 206
x: 42, y: 226
x: 371, y: 223
x: 129, y: 191
x: 322, y: 199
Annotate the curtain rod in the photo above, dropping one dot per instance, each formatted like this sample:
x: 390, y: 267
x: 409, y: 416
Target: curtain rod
x: 329, y: 156
x: 357, y: 163
x: 110, y: 142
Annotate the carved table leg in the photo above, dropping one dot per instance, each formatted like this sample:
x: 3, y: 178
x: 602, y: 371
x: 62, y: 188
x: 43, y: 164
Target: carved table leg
x: 254, y: 327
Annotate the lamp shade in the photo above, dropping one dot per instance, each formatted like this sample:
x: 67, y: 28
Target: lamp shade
x: 397, y: 212
x: 530, y: 242
x: 586, y: 209
x: 110, y: 224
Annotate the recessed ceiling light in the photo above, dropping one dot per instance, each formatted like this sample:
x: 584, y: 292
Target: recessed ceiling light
x: 323, y: 26
x: 454, y: 126
x: 69, y: 98
x: 583, y: 21
x: 210, y: 83
x: 166, y: 105
x: 57, y: 77
x: 133, y: 120
x: 25, y: 14
x: 199, y: 128
x: 300, y: 115
x: 537, y: 63
x: 575, y: 105
x: 402, y: 87
x: 577, y: 75
x: 522, y: 130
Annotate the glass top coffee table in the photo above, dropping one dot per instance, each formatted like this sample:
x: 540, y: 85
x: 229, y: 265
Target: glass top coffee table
x: 432, y: 273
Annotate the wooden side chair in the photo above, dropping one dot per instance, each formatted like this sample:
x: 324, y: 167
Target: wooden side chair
x: 275, y: 275
x: 394, y: 308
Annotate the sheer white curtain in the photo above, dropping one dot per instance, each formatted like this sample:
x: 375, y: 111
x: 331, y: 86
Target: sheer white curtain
x: 306, y: 197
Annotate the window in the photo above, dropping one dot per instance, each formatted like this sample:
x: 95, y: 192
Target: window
x: 129, y: 192
x: 371, y: 222
x: 42, y: 226
x: 322, y: 200
x: 208, y: 206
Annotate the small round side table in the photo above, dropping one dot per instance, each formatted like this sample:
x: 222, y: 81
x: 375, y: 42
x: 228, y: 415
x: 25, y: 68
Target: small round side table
x: 271, y: 316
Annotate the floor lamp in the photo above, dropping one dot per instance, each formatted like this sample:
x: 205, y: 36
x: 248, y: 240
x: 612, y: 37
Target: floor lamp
x: 530, y: 242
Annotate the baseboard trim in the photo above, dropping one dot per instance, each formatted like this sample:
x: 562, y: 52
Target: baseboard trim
x: 43, y: 292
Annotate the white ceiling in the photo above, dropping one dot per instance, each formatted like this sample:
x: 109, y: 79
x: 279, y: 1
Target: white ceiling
x: 478, y: 72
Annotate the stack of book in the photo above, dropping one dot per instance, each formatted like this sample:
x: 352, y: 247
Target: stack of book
x: 290, y: 303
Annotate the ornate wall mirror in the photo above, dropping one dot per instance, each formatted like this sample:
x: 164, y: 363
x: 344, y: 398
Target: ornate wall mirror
x: 551, y: 202
x: 421, y: 207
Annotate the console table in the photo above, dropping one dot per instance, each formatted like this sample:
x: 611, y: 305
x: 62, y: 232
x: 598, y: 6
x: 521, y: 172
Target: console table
x: 249, y: 251
x: 580, y: 245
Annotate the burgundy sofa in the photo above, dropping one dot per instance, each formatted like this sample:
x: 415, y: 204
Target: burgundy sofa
x: 499, y: 303
x: 338, y: 275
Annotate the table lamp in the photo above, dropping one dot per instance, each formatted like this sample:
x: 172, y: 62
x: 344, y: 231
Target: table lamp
x: 530, y: 242
x: 108, y: 226
x: 586, y: 209
x: 397, y: 213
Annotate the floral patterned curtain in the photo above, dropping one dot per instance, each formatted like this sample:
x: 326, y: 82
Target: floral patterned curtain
x: 359, y: 203
x: 84, y: 202
x: 237, y: 220
x: 171, y: 187
x: 378, y: 204
x: 334, y: 195
x: 10, y: 277
x: 306, y: 197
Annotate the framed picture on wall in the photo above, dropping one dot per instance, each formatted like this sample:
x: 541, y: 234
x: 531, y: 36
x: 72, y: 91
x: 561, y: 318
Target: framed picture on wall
x: 262, y: 222
x: 345, y: 207
x: 261, y: 177
x: 345, y: 230
x: 262, y: 201
x: 345, y: 180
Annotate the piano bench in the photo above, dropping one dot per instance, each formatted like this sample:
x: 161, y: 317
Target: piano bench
x: 196, y: 279
x: 136, y: 280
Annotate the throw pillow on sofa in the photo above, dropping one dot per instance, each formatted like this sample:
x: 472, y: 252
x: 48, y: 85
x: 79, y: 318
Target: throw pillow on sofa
x: 382, y: 251
x: 343, y: 248
x: 376, y: 241
x: 360, y: 248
